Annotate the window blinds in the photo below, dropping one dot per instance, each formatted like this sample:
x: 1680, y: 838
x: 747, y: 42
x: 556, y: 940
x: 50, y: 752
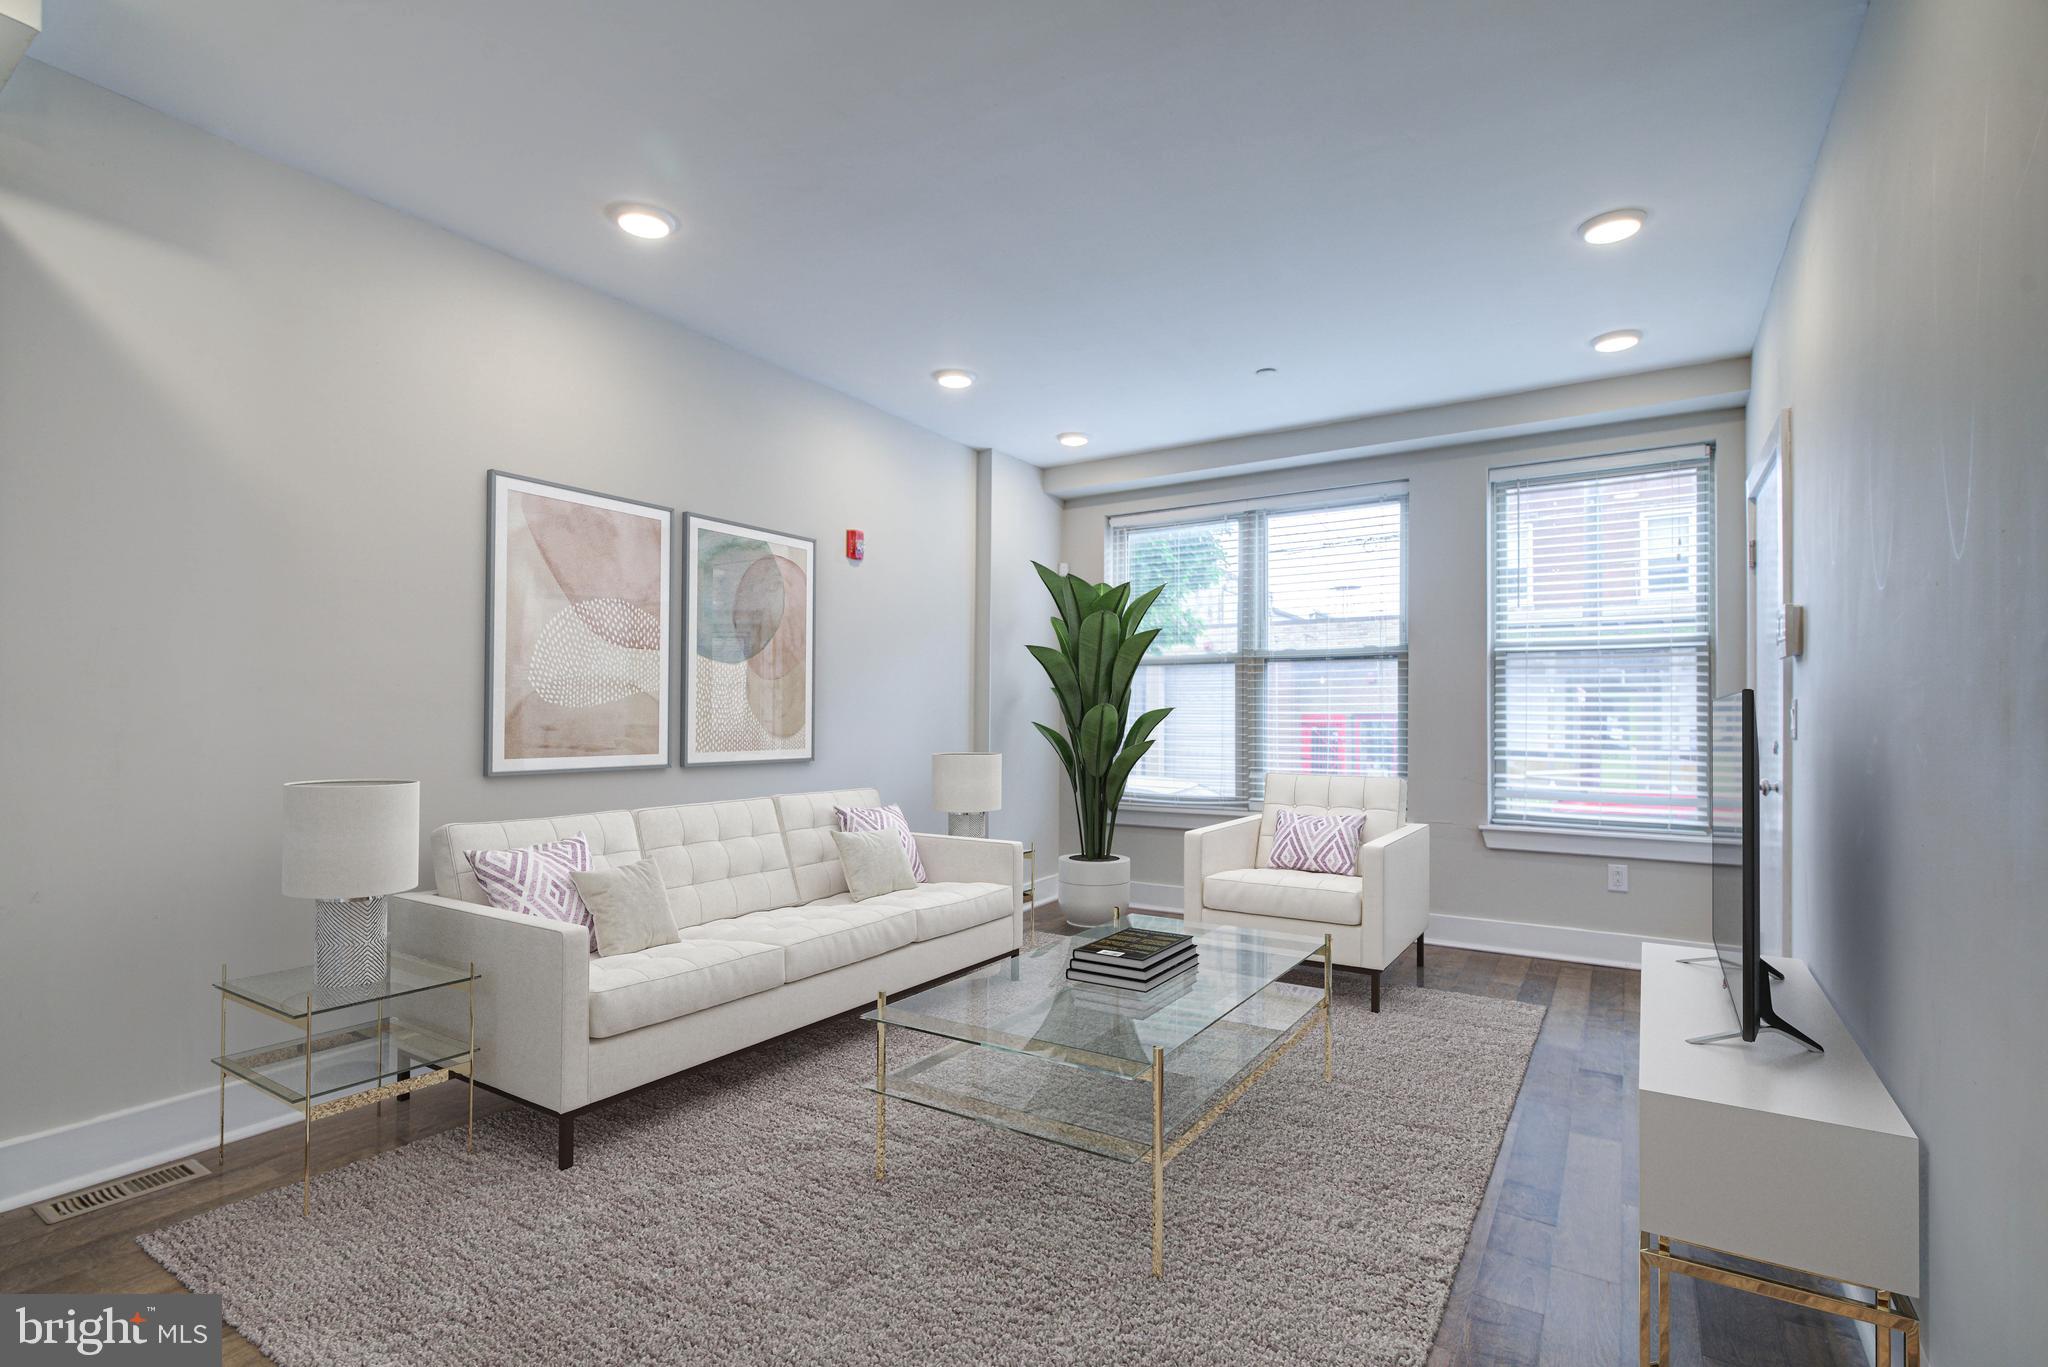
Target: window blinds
x: 1601, y: 644
x: 1284, y: 642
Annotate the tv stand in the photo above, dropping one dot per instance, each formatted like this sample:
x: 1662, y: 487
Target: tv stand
x: 1767, y: 1016
x: 1786, y: 1157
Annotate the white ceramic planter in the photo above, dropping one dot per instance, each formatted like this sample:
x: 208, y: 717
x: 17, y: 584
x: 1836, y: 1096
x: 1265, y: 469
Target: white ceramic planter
x: 1092, y: 891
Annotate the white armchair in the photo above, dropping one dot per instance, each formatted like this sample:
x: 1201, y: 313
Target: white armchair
x: 1371, y: 916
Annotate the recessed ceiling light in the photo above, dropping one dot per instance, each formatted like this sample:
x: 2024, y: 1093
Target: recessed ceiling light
x: 1617, y: 225
x: 1073, y: 438
x: 954, y: 379
x: 1617, y: 341
x: 642, y: 220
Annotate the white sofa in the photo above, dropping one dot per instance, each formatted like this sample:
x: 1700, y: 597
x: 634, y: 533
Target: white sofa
x: 1370, y: 915
x: 769, y: 941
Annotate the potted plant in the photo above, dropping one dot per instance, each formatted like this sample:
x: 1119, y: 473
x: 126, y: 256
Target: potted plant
x: 1100, y: 646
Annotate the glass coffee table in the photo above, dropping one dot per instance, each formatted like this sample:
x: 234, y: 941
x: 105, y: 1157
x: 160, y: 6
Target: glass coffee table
x: 1130, y: 1080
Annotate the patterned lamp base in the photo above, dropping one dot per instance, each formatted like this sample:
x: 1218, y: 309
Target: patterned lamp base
x: 967, y: 823
x: 351, y: 945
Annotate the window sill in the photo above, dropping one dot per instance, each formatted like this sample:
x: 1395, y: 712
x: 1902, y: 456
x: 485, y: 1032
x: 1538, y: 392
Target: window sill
x: 1170, y: 818
x: 1670, y: 849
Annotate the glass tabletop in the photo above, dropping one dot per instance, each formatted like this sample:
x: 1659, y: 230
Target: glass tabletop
x: 1026, y: 1005
x: 289, y: 991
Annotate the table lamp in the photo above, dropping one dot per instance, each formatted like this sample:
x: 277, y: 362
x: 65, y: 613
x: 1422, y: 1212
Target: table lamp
x: 967, y: 786
x: 348, y: 843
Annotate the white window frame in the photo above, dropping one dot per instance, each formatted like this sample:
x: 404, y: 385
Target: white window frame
x: 1581, y: 839
x: 1251, y: 657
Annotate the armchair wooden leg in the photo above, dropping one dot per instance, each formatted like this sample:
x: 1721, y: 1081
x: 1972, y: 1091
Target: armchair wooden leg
x: 1375, y: 989
x: 565, y: 1142
x: 1418, y: 961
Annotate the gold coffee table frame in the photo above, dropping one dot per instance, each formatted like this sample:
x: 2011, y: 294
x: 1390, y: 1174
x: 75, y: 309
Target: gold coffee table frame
x: 1657, y: 1264
x: 1162, y: 1151
x: 381, y: 1030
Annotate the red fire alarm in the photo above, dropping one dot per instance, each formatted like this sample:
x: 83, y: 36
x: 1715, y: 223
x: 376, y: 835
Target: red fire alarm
x: 856, y: 545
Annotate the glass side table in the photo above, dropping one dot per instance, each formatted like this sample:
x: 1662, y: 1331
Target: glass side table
x: 353, y: 1064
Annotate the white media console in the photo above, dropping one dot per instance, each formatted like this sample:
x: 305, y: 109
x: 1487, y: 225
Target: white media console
x: 1772, y: 1153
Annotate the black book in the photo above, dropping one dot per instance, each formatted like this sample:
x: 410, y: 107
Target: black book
x: 1135, y: 986
x: 1145, y: 972
x: 1131, y: 946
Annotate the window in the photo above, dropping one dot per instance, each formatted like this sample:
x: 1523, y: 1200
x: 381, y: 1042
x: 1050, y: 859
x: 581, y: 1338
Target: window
x: 1601, y: 643
x: 1283, y: 642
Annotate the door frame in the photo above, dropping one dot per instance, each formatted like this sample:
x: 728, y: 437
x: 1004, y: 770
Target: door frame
x: 1776, y: 454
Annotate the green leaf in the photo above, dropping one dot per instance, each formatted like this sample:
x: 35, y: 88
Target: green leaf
x: 1098, y: 737
x: 1061, y: 587
x: 1059, y: 744
x: 1095, y: 654
x: 1120, y: 771
x: 1115, y: 599
x: 1085, y: 595
x: 1135, y: 613
x: 1064, y: 682
x: 1066, y: 640
x: 1146, y: 725
x: 1128, y: 656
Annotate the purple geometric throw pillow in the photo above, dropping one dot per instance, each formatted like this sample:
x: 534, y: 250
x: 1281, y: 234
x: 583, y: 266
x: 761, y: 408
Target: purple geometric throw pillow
x: 1316, y: 844
x: 888, y: 818
x: 534, y: 880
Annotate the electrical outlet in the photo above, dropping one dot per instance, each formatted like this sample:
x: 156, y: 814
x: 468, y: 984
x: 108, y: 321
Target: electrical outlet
x: 1617, y: 878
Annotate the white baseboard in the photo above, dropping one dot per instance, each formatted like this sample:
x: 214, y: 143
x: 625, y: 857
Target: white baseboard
x: 1144, y: 896
x: 1157, y: 897
x: 1574, y: 944
x: 35, y: 1167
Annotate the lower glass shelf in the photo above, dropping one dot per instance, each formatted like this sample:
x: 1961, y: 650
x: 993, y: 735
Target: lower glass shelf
x: 1094, y: 1111
x: 343, y: 1060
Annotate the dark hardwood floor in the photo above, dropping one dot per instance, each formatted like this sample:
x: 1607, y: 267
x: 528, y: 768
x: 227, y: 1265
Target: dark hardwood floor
x: 1548, y: 1277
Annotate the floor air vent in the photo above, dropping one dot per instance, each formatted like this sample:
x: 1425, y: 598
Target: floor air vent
x: 124, y: 1189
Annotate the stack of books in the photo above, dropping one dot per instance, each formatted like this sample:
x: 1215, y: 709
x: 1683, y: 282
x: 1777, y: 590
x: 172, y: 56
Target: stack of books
x: 1133, y: 961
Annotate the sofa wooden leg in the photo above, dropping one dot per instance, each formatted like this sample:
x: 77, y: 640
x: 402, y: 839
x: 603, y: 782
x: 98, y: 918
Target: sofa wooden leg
x: 565, y: 1142
x: 1418, y: 961
x: 1375, y: 989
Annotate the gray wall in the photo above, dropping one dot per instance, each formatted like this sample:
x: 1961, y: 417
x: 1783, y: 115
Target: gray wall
x: 1908, y: 334
x: 244, y: 424
x: 1447, y: 560
x: 1021, y: 524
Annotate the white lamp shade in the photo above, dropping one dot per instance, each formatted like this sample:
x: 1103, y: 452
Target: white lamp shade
x: 347, y: 838
x: 967, y: 781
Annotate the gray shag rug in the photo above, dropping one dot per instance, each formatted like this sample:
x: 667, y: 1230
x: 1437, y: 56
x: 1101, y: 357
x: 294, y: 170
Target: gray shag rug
x: 732, y: 1216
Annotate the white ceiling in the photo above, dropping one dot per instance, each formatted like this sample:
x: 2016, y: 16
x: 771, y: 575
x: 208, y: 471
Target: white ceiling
x: 1112, y: 210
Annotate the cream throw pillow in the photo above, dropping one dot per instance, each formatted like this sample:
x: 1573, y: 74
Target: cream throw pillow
x: 627, y: 906
x: 874, y: 862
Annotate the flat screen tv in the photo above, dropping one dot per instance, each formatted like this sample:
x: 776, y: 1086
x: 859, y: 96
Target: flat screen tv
x: 1735, y: 793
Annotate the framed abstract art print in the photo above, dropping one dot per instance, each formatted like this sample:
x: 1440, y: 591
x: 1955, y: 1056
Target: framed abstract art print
x: 579, y: 623
x: 749, y: 613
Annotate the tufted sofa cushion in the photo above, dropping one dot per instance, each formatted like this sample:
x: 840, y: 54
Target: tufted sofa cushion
x: 807, y: 826
x: 613, y: 844
x: 941, y: 908
x: 718, y: 859
x: 817, y: 939
x: 628, y: 991
x: 1383, y: 800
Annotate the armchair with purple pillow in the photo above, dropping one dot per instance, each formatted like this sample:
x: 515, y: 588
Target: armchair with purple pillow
x: 1329, y: 854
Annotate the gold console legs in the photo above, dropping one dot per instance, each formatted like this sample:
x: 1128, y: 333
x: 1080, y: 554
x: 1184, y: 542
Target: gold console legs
x: 1892, y: 1314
